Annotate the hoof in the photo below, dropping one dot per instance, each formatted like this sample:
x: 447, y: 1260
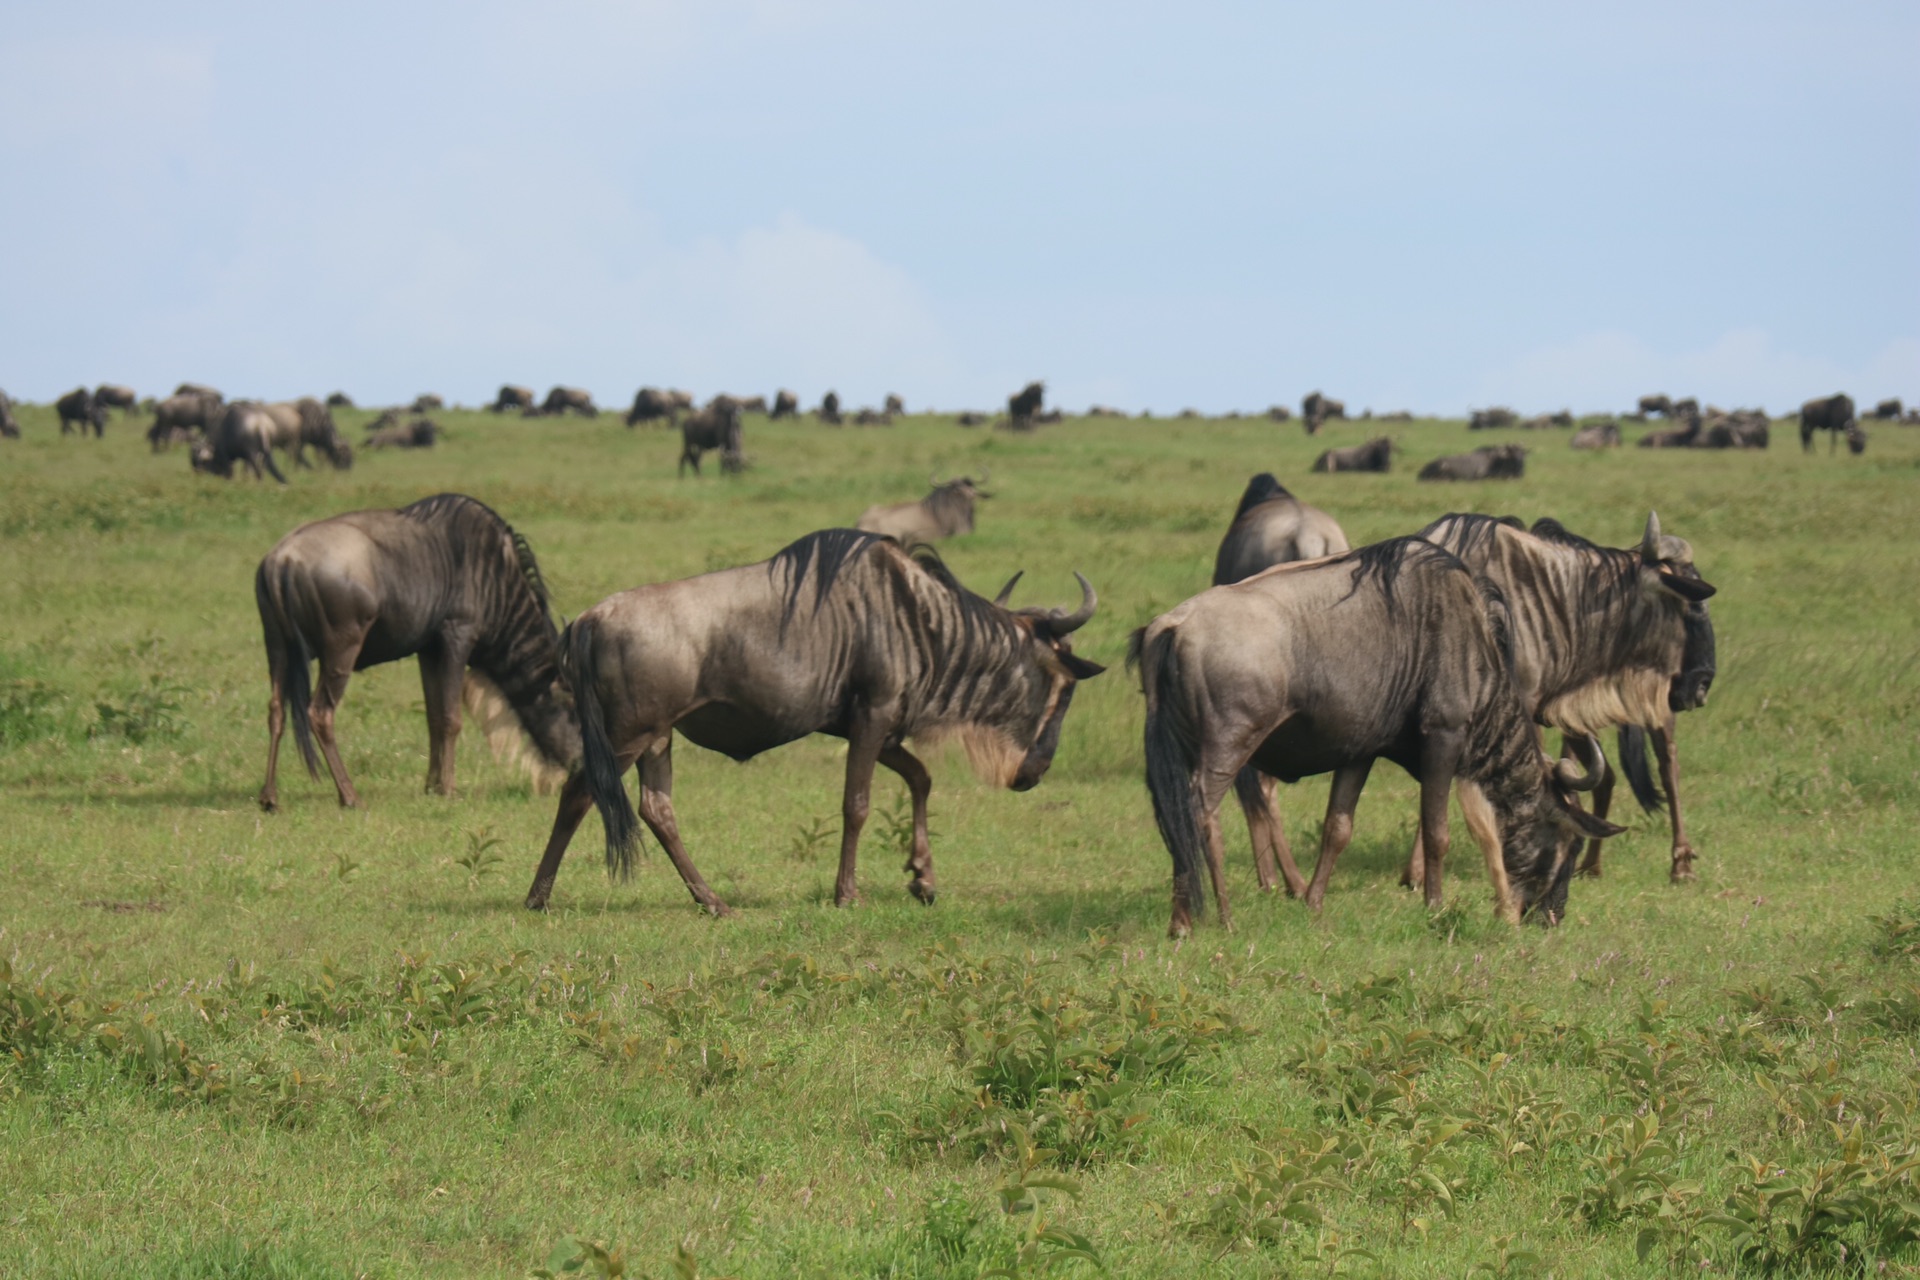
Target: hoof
x: 1682, y: 873
x: 269, y: 805
x: 718, y: 909
x: 923, y: 891
x: 1589, y: 872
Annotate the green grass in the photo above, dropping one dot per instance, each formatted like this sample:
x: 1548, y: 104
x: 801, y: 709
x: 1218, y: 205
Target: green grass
x: 333, y: 1044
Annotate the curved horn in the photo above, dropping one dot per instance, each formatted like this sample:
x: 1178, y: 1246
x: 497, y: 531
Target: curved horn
x: 1006, y: 592
x: 1584, y: 775
x: 1650, y: 543
x: 1064, y: 622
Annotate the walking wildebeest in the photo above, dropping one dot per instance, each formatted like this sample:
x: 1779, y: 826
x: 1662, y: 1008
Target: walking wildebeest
x: 179, y: 416
x: 562, y: 400
x: 109, y: 395
x: 652, y: 405
x: 1600, y: 637
x: 785, y: 405
x: 895, y: 405
x: 715, y: 427
x: 1655, y: 406
x: 9, y: 425
x: 79, y: 406
x: 303, y: 422
x: 512, y: 397
x: 1888, y: 410
x: 1489, y: 419
x: 1316, y: 409
x: 829, y: 410
x: 1597, y: 435
x: 944, y: 513
x: 426, y: 402
x: 1488, y: 462
x: 1391, y: 651
x: 446, y: 579
x: 1374, y: 455
x: 843, y: 633
x: 421, y: 433
x: 1834, y: 415
x: 1024, y: 404
x: 243, y: 432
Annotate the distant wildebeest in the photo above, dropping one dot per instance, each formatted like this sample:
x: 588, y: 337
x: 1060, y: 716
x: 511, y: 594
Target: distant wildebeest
x: 109, y: 395
x: 1489, y: 462
x: 1741, y: 429
x: 1023, y: 404
x: 1598, y: 435
x: 446, y: 579
x: 426, y: 402
x: 303, y: 422
x: 181, y: 417
x: 1047, y: 417
x: 785, y: 405
x: 1542, y: 421
x: 650, y: 404
x: 1683, y: 436
x: 945, y: 513
x: 1374, y: 455
x: 843, y: 633
x: 1397, y: 415
x: 1601, y: 638
x: 1834, y: 415
x: 971, y: 419
x: 715, y: 427
x: 872, y: 418
x: 1279, y: 412
x: 896, y: 406
x: 339, y: 400
x: 512, y: 397
x: 1488, y: 419
x: 1391, y: 651
x: 1655, y: 406
x: 829, y: 410
x: 1188, y: 413
x: 244, y: 433
x: 572, y: 400
x: 1316, y: 409
x: 1105, y: 411
x: 9, y: 425
x: 198, y: 389
x: 421, y: 433
x: 1888, y: 410
x: 78, y: 408
x: 751, y: 404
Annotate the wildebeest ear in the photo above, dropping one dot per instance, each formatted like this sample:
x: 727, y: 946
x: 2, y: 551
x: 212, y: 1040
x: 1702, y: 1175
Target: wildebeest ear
x: 1081, y: 668
x: 1582, y: 821
x: 1692, y: 590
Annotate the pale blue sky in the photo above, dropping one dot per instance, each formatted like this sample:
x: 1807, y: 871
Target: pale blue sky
x: 1217, y: 205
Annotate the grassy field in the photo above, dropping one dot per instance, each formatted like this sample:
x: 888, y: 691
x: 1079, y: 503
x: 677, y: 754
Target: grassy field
x: 333, y: 1043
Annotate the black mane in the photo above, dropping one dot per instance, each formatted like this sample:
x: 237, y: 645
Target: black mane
x: 456, y: 508
x: 1382, y: 562
x: 819, y: 557
x: 1262, y: 488
x: 1547, y: 529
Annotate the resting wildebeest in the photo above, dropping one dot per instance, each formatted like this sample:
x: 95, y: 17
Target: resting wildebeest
x: 652, y: 405
x: 109, y: 395
x: 785, y: 405
x: 944, y: 513
x: 1316, y: 409
x: 1888, y: 410
x: 418, y: 434
x: 1279, y: 412
x: 79, y: 406
x: 243, y: 433
x: 872, y: 418
x: 715, y: 427
x: 1684, y: 436
x: 1653, y: 406
x: 971, y: 419
x: 426, y: 402
x: 829, y: 410
x: 198, y: 389
x: 446, y: 579
x: 9, y: 425
x: 1597, y: 435
x: 1374, y: 455
x: 1600, y: 637
x: 1023, y: 404
x: 1834, y: 415
x: 569, y: 400
x: 1488, y: 419
x: 512, y: 397
x: 1391, y: 651
x: 303, y: 422
x: 339, y: 400
x: 1741, y: 429
x: 895, y: 405
x: 1488, y: 462
x: 843, y: 633
x: 177, y: 418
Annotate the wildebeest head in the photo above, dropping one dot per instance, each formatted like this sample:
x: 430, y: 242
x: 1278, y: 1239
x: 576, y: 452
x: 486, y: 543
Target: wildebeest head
x: 208, y: 461
x: 1542, y: 826
x: 1697, y: 667
x: 1666, y: 564
x: 1053, y: 672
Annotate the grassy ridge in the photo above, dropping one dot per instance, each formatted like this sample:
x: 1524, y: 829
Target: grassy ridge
x: 331, y: 1043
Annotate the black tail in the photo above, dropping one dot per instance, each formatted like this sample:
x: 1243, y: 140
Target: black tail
x: 286, y: 640
x: 266, y: 457
x: 597, y: 757
x: 1633, y: 763
x: 1171, y: 757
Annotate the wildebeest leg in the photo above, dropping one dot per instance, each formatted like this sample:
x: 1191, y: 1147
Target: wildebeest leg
x: 1484, y: 826
x: 1602, y: 801
x: 1439, y: 759
x: 1666, y: 751
x: 919, y: 786
x: 336, y: 668
x: 656, y: 808
x: 1414, y: 874
x: 1256, y: 791
x: 863, y: 750
x: 1342, y: 798
x: 575, y: 801
x: 441, y: 672
x: 276, y: 725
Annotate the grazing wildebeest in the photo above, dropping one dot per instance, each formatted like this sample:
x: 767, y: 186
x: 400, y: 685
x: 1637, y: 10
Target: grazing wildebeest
x: 1025, y: 403
x: 1316, y: 409
x: 872, y: 418
x: 1888, y: 410
x: 895, y: 405
x: 339, y: 400
x: 715, y: 427
x: 421, y: 433
x: 751, y: 404
x: 652, y: 405
x: 944, y: 513
x: 303, y: 422
x: 1684, y: 407
x: 179, y: 417
x: 1374, y: 455
x: 9, y: 425
x: 844, y: 633
x: 1279, y: 412
x: 1488, y: 419
x: 829, y: 410
x: 243, y: 432
x: 572, y: 400
x: 1601, y: 637
x: 426, y: 402
x: 1488, y: 462
x: 446, y: 579
x: 79, y: 406
x: 1598, y: 435
x: 1834, y: 415
x: 109, y: 395
x: 1655, y: 406
x: 512, y: 397
x: 198, y: 389
x: 1391, y: 651
x: 785, y: 405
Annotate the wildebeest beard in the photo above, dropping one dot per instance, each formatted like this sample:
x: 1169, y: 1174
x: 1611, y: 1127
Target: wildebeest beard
x: 1697, y: 663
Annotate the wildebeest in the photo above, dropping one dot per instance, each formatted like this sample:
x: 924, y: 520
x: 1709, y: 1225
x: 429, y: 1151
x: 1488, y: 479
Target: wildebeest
x: 243, y: 433
x: 1598, y: 435
x: 1374, y: 455
x: 895, y: 405
x: 177, y: 418
x: 1316, y: 409
x: 715, y: 427
x: 1888, y: 410
x: 421, y: 433
x: 572, y: 400
x: 1025, y: 403
x: 426, y: 402
x: 198, y: 389
x: 1542, y: 421
x: 1105, y: 411
x: 785, y: 405
x: 303, y: 422
x: 1279, y: 412
x: 444, y: 578
x: 1600, y: 637
x: 829, y: 410
x: 9, y: 425
x: 945, y: 513
x: 652, y: 405
x: 1741, y: 429
x: 339, y: 400
x: 1832, y: 414
x: 1488, y: 419
x: 512, y: 397
x: 1684, y: 436
x: 1653, y: 406
x: 843, y: 633
x: 109, y: 395
x: 1488, y: 462
x: 79, y: 407
x: 872, y: 418
x: 971, y: 419
x: 1391, y: 651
